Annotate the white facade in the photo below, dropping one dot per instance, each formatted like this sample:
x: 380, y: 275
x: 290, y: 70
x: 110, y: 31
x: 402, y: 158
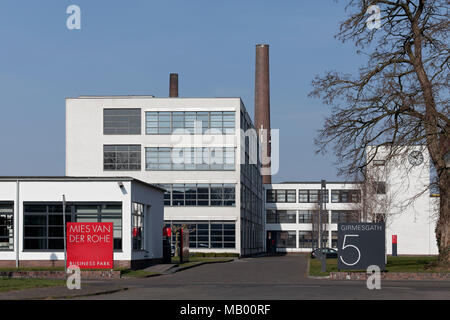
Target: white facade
x: 411, y: 213
x: 23, y: 191
x: 85, y: 141
x: 301, y: 225
x: 405, y: 205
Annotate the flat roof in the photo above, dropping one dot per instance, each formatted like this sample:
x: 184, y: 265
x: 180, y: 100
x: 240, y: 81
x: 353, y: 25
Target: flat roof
x: 67, y: 178
x: 316, y: 182
x: 143, y: 97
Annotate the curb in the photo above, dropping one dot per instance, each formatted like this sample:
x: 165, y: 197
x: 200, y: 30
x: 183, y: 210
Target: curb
x: 76, y: 295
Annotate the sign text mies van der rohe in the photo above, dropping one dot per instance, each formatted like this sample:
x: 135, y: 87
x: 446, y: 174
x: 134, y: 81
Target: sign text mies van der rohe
x: 90, y: 245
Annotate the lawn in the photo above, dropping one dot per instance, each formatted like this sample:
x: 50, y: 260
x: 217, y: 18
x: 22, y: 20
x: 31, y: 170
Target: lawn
x: 9, y: 284
x: 394, y: 264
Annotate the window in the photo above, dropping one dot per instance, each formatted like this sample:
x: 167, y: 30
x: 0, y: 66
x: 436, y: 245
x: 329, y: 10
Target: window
x: 167, y: 193
x: 305, y: 239
x: 208, y: 234
x: 380, y: 187
x: 334, y: 239
x: 281, y: 216
x: 278, y: 195
x: 214, y: 158
x: 379, y: 162
x: 43, y: 223
x: 345, y: 196
x: 121, y: 157
x: 311, y: 196
x: 193, y: 122
x: 345, y: 216
x: 43, y: 226
x: 286, y: 239
x: 121, y: 121
x: 304, y: 216
x: 137, y: 220
x: 6, y: 226
x: 271, y: 196
x: 218, y: 194
x: 271, y: 216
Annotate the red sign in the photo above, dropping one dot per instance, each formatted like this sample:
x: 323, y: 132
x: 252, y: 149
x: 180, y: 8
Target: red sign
x: 394, y: 238
x: 90, y: 245
x: 167, y: 232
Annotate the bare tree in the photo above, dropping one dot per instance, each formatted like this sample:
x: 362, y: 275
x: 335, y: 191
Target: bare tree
x: 377, y: 204
x: 399, y: 98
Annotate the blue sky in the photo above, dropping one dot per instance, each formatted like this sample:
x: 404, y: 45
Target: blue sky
x: 130, y: 47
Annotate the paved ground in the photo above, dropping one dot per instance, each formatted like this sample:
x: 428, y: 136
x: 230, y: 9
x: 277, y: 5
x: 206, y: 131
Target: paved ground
x: 282, y: 277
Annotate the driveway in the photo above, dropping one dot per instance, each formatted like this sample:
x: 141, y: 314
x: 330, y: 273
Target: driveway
x: 279, y: 277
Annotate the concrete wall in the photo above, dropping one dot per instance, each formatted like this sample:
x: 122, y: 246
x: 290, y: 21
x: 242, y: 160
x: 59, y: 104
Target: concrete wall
x: 412, y: 214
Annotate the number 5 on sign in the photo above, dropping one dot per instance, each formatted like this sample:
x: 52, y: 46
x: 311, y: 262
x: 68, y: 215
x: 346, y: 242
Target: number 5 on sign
x: 344, y: 246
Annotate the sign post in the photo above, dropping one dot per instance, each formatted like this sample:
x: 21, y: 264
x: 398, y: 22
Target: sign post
x: 64, y: 230
x: 90, y: 245
x: 321, y: 230
x: 361, y: 245
x: 394, y: 245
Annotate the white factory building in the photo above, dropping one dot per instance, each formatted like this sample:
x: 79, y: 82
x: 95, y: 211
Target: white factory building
x: 148, y: 162
x: 31, y: 218
x: 396, y: 192
x: 189, y: 146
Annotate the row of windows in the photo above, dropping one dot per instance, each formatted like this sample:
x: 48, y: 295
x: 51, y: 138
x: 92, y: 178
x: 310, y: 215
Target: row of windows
x: 310, y: 216
x: 6, y: 226
x: 214, y: 158
x: 278, y: 195
x: 207, y: 235
x: 128, y: 122
x: 190, y: 122
x: 44, y: 228
x: 312, y: 196
x: 288, y: 239
x: 200, y: 195
x: 128, y: 158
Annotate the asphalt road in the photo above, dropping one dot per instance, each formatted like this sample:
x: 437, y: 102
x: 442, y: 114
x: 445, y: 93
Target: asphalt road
x: 280, y: 277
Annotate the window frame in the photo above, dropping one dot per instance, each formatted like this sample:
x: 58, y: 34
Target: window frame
x: 224, y: 122
x: 130, y: 129
x: 119, y: 153
x: 72, y: 213
x: 280, y: 194
x: 349, y: 195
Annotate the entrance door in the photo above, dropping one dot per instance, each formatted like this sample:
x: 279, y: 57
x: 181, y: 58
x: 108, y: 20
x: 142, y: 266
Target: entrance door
x: 271, y: 242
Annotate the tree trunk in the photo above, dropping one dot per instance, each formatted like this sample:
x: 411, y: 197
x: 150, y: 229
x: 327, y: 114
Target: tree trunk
x: 443, y: 225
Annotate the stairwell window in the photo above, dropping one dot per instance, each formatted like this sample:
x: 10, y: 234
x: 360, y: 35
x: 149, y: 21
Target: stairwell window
x: 137, y: 217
